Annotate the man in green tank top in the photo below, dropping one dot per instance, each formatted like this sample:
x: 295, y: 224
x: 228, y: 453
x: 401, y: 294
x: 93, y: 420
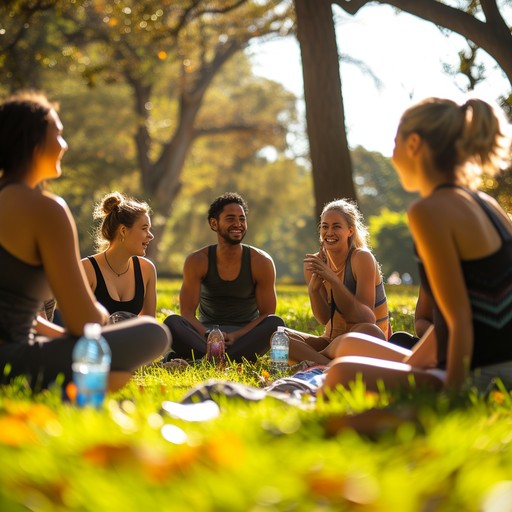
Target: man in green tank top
x: 227, y: 284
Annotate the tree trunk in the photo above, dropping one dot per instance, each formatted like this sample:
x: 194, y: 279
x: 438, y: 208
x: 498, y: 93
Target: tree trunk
x: 161, y: 178
x: 330, y: 156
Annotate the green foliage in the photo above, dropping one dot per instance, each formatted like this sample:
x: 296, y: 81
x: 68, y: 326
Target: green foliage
x: 378, y: 187
x: 392, y: 243
x: 355, y: 451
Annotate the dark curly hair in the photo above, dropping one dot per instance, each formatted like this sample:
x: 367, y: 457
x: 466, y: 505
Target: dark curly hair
x: 227, y: 198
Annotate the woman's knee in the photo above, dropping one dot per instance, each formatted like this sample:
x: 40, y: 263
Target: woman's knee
x: 154, y: 336
x: 341, y: 373
x: 370, y: 329
x: 159, y: 336
x: 345, y: 345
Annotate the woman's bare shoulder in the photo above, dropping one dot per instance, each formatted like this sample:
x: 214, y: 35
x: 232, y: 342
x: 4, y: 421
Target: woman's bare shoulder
x: 362, y: 254
x: 146, y: 263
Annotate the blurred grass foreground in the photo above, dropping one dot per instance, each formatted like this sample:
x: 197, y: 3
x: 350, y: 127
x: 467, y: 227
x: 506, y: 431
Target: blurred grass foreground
x: 359, y: 451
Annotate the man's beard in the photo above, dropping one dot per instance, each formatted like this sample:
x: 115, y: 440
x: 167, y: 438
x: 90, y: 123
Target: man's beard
x: 226, y: 237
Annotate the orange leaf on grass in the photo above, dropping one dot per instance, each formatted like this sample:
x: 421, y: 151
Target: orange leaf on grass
x: 38, y: 414
x: 108, y: 455
x: 497, y: 397
x: 71, y: 391
x: 357, y: 488
x: 16, y: 432
x: 159, y: 467
x: 225, y: 451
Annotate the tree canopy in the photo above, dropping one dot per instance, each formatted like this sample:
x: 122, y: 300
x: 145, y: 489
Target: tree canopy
x: 159, y: 101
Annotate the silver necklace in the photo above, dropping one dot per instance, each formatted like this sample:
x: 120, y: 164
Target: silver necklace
x: 110, y: 266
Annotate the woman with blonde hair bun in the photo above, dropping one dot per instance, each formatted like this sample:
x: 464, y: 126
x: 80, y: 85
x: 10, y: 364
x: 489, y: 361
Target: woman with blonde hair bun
x: 463, y: 240
x: 122, y: 279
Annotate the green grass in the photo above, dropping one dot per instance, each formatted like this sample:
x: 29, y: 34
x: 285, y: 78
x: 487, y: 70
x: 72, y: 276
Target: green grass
x: 422, y: 453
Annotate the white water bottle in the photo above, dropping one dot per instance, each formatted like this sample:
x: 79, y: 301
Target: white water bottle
x: 91, y: 366
x: 279, y: 349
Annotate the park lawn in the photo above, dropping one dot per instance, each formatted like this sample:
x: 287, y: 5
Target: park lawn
x: 420, y: 453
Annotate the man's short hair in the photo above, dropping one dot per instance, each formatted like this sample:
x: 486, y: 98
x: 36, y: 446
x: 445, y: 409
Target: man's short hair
x: 227, y: 198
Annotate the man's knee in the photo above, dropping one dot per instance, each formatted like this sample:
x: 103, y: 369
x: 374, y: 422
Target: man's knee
x: 172, y: 320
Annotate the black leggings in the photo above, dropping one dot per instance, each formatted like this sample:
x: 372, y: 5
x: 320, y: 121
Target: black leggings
x: 189, y: 344
x: 133, y: 343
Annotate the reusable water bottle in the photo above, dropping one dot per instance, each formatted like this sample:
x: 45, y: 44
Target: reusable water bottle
x: 279, y: 349
x: 91, y: 366
x: 215, y: 346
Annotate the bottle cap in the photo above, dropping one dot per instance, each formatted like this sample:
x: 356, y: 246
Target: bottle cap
x: 92, y: 331
x: 280, y: 328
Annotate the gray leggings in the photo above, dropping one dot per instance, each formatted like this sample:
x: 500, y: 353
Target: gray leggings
x: 189, y: 344
x: 133, y: 343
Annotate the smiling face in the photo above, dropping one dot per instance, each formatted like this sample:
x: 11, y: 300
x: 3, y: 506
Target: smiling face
x: 137, y: 237
x: 231, y: 225
x: 335, y: 231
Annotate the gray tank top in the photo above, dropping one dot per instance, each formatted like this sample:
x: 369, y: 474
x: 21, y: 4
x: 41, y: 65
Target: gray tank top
x: 23, y: 288
x: 228, y: 302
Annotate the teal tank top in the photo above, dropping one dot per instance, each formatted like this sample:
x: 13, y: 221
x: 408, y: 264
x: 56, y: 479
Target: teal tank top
x: 228, y: 302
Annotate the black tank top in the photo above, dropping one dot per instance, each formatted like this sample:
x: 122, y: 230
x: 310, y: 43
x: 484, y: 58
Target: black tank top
x: 228, y: 302
x: 131, y: 306
x: 489, y: 285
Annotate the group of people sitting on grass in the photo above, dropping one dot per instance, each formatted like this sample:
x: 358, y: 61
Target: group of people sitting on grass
x: 462, y: 237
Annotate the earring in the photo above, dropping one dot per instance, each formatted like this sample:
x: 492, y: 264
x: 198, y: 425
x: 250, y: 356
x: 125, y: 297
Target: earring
x: 122, y: 239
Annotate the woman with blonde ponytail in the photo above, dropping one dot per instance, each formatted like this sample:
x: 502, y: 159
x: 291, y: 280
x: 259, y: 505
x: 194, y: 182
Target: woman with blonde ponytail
x: 463, y: 240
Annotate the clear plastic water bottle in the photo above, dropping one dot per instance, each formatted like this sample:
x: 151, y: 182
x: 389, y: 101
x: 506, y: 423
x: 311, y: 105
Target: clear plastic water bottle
x: 215, y: 349
x: 91, y: 366
x: 279, y: 349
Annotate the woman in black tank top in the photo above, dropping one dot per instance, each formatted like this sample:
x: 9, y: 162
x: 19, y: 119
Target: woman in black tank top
x: 463, y: 240
x: 119, y: 275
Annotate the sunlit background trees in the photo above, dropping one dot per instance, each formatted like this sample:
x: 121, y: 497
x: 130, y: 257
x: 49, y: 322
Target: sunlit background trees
x: 159, y: 100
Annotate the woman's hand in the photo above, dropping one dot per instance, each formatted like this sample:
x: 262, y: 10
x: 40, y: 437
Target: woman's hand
x: 315, y: 283
x: 319, y: 269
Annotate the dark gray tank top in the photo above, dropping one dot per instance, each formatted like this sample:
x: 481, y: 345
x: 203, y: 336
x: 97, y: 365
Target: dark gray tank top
x: 228, y: 302
x: 23, y: 288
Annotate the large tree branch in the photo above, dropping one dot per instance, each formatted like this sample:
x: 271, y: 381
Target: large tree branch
x: 223, y: 10
x: 492, y: 35
x: 234, y: 127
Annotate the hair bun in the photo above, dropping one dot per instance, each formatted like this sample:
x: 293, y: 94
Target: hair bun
x: 111, y: 202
